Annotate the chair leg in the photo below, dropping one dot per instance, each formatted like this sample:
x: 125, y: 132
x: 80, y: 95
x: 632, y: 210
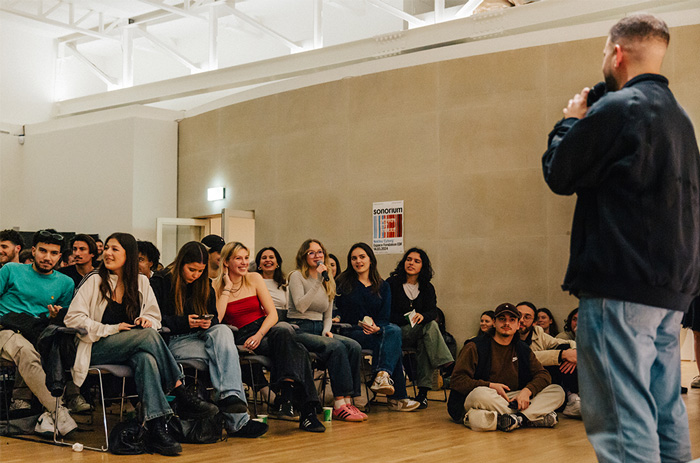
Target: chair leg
x: 255, y: 392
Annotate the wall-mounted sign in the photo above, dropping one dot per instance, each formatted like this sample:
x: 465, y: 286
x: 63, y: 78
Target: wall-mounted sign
x: 387, y: 227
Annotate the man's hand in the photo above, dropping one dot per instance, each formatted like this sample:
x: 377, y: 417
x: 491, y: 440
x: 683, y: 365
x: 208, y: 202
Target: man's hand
x: 568, y: 361
x: 578, y: 106
x: 502, y: 389
x: 53, y: 310
x: 523, y: 398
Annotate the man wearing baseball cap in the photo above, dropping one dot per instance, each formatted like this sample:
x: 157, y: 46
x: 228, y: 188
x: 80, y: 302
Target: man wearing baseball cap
x: 214, y: 244
x: 498, y: 383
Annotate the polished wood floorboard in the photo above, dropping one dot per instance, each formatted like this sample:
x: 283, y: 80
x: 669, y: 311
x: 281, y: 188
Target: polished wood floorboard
x: 425, y: 436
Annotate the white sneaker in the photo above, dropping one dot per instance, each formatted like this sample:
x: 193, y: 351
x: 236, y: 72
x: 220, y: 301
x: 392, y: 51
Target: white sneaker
x: 44, y: 425
x: 382, y: 384
x: 20, y: 404
x: 695, y: 383
x: 65, y: 422
x: 573, y: 406
x: 78, y: 404
x: 403, y: 405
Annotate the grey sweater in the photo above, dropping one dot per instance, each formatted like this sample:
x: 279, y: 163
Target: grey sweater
x: 308, y: 300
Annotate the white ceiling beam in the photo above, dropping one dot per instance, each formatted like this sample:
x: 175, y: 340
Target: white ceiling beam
x: 104, y: 77
x: 185, y: 13
x: 213, y: 38
x: 169, y: 50
x: 45, y: 14
x: 293, y: 46
x: 398, y: 13
x: 439, y: 11
x: 53, y: 22
x: 318, y: 24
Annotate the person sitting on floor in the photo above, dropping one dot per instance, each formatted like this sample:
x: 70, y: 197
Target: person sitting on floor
x: 557, y: 355
x: 188, y: 306
x: 498, y: 383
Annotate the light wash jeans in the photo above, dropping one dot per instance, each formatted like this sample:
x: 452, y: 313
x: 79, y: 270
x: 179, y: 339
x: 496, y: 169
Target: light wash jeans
x: 155, y: 369
x: 216, y: 348
x: 630, y: 381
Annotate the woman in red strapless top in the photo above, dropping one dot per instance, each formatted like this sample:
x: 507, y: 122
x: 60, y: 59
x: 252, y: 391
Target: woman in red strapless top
x: 243, y: 300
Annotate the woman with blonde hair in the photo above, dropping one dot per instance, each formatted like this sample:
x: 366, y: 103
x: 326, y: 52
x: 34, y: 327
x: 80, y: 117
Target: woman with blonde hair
x: 242, y: 300
x: 312, y: 291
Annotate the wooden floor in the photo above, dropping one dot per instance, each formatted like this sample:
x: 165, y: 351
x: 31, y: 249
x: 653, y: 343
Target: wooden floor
x: 424, y: 436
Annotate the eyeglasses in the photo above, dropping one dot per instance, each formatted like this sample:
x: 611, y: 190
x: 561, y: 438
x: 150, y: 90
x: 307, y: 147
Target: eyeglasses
x: 314, y: 253
x: 48, y: 234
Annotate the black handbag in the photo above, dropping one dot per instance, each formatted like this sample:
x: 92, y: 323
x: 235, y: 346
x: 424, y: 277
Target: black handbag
x: 199, y: 431
x: 25, y: 324
x: 127, y: 438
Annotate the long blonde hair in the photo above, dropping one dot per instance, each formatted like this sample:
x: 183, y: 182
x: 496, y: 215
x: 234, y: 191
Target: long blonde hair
x: 303, y: 265
x: 229, y: 249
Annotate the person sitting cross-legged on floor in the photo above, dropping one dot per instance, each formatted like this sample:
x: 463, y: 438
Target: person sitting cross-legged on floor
x: 498, y: 383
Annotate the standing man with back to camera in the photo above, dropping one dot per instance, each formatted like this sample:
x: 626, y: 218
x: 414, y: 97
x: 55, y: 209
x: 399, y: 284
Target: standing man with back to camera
x: 632, y: 160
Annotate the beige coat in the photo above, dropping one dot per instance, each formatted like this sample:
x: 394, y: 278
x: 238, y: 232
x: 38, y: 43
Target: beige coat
x: 546, y: 348
x: 86, y: 311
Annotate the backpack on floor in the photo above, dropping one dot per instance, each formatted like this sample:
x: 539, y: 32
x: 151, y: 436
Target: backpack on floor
x: 199, y: 431
x: 127, y: 438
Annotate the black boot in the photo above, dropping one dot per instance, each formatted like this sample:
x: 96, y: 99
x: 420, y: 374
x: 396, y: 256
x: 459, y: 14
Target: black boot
x: 191, y: 407
x: 159, y: 441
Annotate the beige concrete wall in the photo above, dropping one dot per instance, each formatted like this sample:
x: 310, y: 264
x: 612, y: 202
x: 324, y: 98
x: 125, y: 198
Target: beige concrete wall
x: 459, y: 141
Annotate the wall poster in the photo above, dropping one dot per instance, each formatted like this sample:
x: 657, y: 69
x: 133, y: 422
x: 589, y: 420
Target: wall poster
x: 387, y: 227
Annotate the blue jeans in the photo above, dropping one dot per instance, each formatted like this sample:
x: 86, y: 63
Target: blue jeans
x: 386, y: 354
x: 630, y: 381
x: 341, y: 355
x: 155, y: 369
x: 216, y: 348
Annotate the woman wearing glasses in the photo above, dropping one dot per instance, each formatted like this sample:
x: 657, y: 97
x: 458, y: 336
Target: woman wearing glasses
x: 312, y: 291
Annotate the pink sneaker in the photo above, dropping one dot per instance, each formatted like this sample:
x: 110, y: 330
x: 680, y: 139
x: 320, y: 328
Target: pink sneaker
x: 358, y: 411
x: 346, y: 413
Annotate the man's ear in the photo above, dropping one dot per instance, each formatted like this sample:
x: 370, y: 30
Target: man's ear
x: 619, y: 55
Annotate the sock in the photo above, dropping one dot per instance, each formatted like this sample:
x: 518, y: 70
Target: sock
x: 348, y: 400
x: 286, y: 391
x: 339, y: 403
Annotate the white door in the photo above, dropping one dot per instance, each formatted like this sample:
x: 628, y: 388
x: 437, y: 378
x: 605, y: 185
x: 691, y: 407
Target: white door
x: 172, y: 233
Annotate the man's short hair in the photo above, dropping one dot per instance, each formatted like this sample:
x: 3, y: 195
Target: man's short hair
x: 640, y: 27
x: 151, y: 252
x: 92, y: 247
x: 25, y: 255
x: 528, y: 304
x: 12, y: 236
x: 48, y: 236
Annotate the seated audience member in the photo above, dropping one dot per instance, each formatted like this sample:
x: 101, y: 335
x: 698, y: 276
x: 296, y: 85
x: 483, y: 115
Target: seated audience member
x: 214, y: 244
x: 569, y: 333
x: 334, y: 266
x: 83, y: 249
x: 244, y: 302
x: 546, y: 320
x: 111, y: 303
x: 498, y: 383
x: 413, y: 296
x: 65, y: 260
x: 25, y: 257
x: 188, y: 307
x: 11, y: 245
x: 39, y: 291
x: 485, y: 324
x: 311, y: 292
x: 268, y: 263
x: 364, y: 301
x: 149, y: 258
x: 557, y: 355
x: 100, y: 248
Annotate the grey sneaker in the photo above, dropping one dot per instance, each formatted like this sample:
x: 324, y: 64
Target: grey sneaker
x: 547, y: 421
x: 20, y: 404
x: 44, y: 425
x: 573, y: 406
x: 78, y: 405
x: 509, y: 421
x: 695, y: 383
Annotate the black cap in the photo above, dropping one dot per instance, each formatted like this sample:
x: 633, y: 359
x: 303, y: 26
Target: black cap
x: 507, y: 308
x: 214, y: 243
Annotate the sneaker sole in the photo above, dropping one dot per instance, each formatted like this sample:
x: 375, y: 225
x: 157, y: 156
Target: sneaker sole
x: 383, y: 390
